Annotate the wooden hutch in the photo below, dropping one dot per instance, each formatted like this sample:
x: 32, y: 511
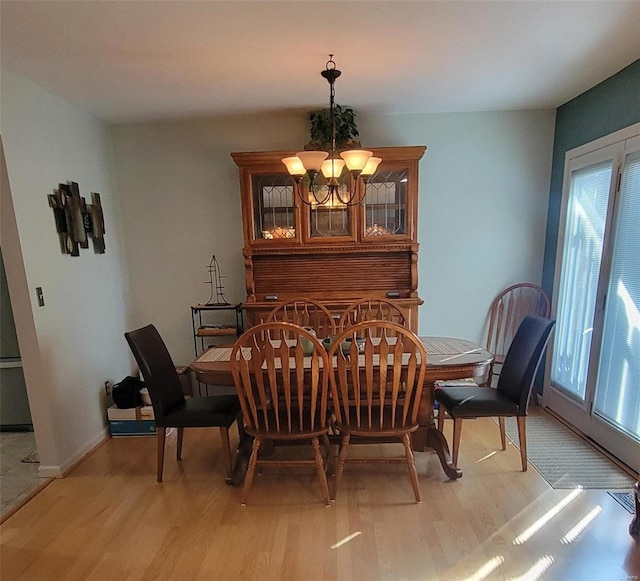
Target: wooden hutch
x: 332, y: 253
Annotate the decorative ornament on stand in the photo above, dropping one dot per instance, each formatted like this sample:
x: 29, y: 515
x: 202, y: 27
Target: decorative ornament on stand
x: 76, y: 220
x: 360, y: 163
x: 215, y: 280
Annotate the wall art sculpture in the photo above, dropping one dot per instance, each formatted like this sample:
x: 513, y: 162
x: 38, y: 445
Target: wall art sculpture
x: 77, y: 221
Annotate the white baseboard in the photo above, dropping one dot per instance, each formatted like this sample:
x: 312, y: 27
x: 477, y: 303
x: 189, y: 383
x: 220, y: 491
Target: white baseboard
x: 60, y: 471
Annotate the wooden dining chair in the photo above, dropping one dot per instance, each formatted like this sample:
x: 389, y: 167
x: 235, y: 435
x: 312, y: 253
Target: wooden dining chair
x: 283, y: 393
x: 372, y: 309
x: 506, y: 313
x: 376, y: 390
x: 305, y: 313
x: 171, y: 409
x: 511, y: 396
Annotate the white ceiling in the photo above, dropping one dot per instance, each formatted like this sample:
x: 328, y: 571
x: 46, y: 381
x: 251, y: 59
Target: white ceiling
x: 134, y: 60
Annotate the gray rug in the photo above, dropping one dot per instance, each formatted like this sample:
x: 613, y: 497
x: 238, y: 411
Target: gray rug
x: 563, y: 458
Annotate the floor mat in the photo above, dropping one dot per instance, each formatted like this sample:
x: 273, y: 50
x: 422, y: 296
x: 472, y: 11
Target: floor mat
x: 625, y: 499
x: 564, y: 459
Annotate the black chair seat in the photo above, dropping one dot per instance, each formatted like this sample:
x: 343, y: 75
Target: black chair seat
x: 202, y: 412
x: 472, y: 402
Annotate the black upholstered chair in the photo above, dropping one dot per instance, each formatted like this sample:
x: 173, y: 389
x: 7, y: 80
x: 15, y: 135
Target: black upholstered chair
x: 170, y: 407
x: 511, y: 396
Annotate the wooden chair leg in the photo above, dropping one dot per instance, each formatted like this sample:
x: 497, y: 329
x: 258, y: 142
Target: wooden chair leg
x: 413, y: 474
x: 226, y: 449
x: 179, y: 444
x: 248, y: 479
x: 441, y: 414
x: 457, y: 430
x: 503, y: 433
x: 522, y: 438
x: 320, y: 470
x: 342, y: 456
x: 162, y: 432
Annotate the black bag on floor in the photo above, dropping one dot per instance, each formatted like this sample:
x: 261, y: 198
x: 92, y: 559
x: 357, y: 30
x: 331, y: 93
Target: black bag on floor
x: 126, y: 394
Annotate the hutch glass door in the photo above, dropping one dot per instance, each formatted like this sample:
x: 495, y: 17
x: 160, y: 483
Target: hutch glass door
x: 385, y: 204
x: 274, y: 211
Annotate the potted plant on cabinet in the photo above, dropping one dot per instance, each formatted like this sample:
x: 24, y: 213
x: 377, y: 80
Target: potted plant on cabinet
x: 346, y: 129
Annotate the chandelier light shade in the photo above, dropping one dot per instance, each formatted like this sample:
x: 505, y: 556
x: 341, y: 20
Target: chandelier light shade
x: 360, y: 163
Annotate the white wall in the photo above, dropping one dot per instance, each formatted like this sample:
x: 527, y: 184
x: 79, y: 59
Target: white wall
x: 484, y: 188
x: 181, y: 204
x: 483, y: 198
x: 73, y: 344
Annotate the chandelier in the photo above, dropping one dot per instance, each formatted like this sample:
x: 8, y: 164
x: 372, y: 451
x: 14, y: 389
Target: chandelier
x: 360, y: 164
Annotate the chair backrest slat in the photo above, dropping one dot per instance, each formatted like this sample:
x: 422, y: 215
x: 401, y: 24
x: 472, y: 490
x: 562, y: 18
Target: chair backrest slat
x: 305, y: 312
x: 380, y: 383
x: 508, y: 310
x: 281, y: 385
x: 372, y: 309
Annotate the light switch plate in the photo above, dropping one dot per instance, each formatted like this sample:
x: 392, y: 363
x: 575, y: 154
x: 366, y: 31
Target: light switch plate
x: 40, y: 296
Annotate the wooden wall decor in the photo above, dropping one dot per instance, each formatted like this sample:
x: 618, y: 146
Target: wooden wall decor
x: 76, y: 220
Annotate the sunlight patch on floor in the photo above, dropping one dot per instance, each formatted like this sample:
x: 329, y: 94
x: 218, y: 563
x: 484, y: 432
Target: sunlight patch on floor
x: 583, y: 523
x: 489, y: 567
x: 545, y: 518
x: 346, y: 539
x: 537, y: 570
x: 489, y: 455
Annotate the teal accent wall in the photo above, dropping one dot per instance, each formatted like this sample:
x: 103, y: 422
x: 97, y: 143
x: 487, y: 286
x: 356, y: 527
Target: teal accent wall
x: 608, y: 107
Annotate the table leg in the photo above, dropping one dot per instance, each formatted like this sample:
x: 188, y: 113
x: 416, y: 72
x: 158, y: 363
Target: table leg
x: 428, y: 435
x: 437, y: 441
x: 243, y: 453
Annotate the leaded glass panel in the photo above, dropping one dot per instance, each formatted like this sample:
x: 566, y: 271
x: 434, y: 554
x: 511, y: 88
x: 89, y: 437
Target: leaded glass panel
x: 385, y: 206
x: 274, y: 216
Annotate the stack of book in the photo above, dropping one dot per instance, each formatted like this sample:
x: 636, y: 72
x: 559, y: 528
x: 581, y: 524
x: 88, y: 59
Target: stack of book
x: 138, y: 421
x: 468, y: 382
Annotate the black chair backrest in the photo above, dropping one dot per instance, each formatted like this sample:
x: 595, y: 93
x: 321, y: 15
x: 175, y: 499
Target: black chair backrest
x: 157, y: 368
x: 523, y: 359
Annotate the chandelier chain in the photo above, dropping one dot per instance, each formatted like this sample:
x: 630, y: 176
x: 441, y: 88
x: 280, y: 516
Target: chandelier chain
x: 360, y: 163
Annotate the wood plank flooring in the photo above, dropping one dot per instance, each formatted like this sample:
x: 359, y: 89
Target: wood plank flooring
x: 109, y: 519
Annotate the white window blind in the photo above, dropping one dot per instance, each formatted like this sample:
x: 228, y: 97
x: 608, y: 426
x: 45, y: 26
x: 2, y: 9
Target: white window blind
x: 582, y: 257
x: 618, y: 384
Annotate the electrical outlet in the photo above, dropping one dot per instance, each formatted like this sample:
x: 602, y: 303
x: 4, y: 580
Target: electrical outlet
x: 107, y: 388
x: 40, y: 296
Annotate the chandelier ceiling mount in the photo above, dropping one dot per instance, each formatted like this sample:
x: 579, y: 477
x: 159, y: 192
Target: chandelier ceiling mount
x: 360, y: 163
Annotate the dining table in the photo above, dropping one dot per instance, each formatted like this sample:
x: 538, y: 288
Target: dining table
x: 448, y: 359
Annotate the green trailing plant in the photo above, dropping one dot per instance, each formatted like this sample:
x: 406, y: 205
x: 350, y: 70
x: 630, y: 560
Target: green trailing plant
x: 346, y: 129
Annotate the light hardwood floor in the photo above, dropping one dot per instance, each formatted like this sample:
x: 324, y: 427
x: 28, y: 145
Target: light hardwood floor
x: 109, y: 519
